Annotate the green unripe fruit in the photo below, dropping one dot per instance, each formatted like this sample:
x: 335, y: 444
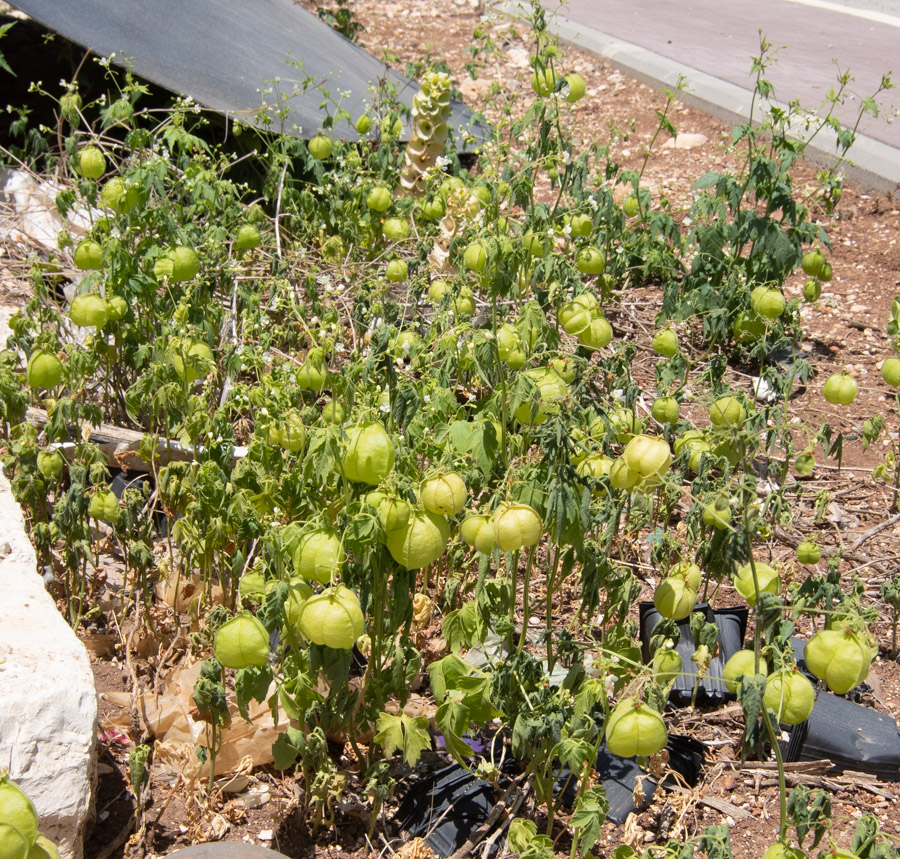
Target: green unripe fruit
x: 631, y: 206
x: 647, y: 457
x: 464, y: 303
x: 421, y: 542
x: 728, y: 412
x: 634, y: 728
x: 516, y: 526
x: 890, y: 372
x: 590, y: 261
x: 379, y: 199
x: 812, y: 289
x: 581, y: 225
x: 444, y: 493
x: 104, y: 505
x: 89, y: 310
x: 44, y: 370
x: 312, y: 375
x: 43, y: 848
x: 191, y: 361
x: 767, y: 578
x: 437, y: 289
x: 621, y: 476
x: 838, y: 657
x: 666, y: 410
x: 812, y: 263
x: 741, y: 663
x: 18, y: 812
x: 790, y: 695
x: 508, y: 340
x: 91, y: 162
x: 597, y: 335
x: 252, y: 584
x: 319, y: 554
x: 117, y: 307
x: 475, y: 256
x: 779, y: 850
x: 840, y: 389
x: 119, y: 196
x: 543, y: 81
x: 576, y: 87
x: 185, y: 263
x: 551, y: 389
x: 574, y: 317
x: 88, y: 256
x: 333, y: 412
x: 70, y: 103
x: 748, y: 327
x: 50, y: 463
x: 397, y: 270
x: 247, y: 238
x: 769, y: 303
x: 395, y: 229
x: 391, y: 128
x: 370, y: 454
x: 364, y: 124
x: 667, y: 665
x: 665, y: 342
x: 178, y: 264
x: 535, y: 243
x: 12, y: 843
x: 825, y: 272
x: 808, y: 553
x: 320, y: 147
x: 433, y: 210
x: 332, y: 618
x: 394, y: 513
x: 478, y: 531
x: 674, y: 598
x: 289, y: 432
x: 242, y: 642
x: 717, y: 514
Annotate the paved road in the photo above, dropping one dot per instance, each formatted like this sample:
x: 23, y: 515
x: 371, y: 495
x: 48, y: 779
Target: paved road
x: 713, y: 41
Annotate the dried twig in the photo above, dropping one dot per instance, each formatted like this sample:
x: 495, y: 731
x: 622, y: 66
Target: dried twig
x: 506, y: 806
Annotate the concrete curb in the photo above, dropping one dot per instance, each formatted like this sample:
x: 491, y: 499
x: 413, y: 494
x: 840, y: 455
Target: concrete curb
x: 874, y: 165
x: 48, y: 701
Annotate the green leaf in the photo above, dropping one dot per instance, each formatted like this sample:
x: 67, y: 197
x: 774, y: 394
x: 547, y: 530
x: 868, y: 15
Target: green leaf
x: 589, y: 817
x: 591, y: 693
x: 750, y: 696
x: 406, y: 733
x: 485, y: 447
x: 251, y: 684
x: 461, y: 435
x: 452, y: 720
x: 574, y: 753
x: 287, y: 748
x: 445, y: 674
x: 405, y: 407
x: 520, y: 834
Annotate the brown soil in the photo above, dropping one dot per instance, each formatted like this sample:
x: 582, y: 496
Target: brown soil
x: 846, y: 328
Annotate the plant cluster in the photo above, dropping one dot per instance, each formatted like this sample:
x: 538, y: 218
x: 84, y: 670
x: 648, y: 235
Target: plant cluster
x: 379, y: 393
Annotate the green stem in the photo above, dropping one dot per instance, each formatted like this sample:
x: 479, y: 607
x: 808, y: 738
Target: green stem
x: 526, y: 608
x: 782, y: 786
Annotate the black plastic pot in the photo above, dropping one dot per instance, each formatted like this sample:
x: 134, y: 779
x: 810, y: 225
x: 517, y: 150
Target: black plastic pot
x: 446, y: 806
x: 851, y: 736
x: 732, y: 625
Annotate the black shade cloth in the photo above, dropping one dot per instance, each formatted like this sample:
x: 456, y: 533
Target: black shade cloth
x: 221, y: 53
